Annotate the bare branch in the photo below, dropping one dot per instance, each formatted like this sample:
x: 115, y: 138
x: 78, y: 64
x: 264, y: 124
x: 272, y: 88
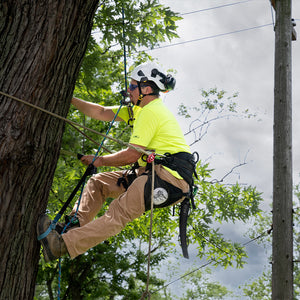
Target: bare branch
x: 232, y: 170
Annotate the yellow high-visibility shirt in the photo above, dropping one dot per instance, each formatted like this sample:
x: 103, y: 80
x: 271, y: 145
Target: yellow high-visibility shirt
x: 156, y: 128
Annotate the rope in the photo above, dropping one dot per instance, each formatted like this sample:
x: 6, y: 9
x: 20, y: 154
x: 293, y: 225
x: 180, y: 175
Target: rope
x: 129, y: 106
x: 60, y: 259
x: 107, y: 132
x: 124, y: 47
x: 89, y: 138
x: 77, y: 124
x: 147, y: 293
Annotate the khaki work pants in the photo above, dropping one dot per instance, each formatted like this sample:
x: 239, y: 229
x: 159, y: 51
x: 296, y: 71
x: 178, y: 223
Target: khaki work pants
x: 126, y: 206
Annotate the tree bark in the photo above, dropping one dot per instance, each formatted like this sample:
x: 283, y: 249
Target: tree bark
x: 42, y: 44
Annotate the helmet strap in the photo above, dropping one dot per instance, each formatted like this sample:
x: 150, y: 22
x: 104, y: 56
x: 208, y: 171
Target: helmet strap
x: 141, y: 96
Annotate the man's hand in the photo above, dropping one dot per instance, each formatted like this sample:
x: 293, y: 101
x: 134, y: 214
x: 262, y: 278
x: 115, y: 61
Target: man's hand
x: 87, y: 160
x: 121, y: 158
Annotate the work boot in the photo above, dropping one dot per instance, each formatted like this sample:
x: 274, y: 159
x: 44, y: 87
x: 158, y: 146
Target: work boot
x: 53, y: 244
x: 71, y: 222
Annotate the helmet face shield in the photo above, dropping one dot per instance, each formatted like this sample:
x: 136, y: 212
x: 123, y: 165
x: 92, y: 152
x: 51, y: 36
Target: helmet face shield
x: 152, y: 72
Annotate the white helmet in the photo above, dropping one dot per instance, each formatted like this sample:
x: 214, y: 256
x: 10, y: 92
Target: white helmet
x: 152, y: 72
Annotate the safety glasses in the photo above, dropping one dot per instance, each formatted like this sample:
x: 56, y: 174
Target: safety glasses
x: 132, y: 87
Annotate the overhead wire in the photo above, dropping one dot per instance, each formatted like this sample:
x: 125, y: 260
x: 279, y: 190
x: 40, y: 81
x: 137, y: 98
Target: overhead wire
x: 179, y: 14
x: 214, y: 7
x: 209, y: 37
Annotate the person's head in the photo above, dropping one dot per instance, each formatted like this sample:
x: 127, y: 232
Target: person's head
x: 148, y: 80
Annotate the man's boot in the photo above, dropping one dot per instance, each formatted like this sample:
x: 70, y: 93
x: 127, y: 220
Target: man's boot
x: 53, y: 244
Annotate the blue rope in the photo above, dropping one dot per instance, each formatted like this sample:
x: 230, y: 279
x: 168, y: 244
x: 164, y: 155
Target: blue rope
x: 124, y: 48
x: 66, y: 225
x: 59, y: 278
x: 107, y: 132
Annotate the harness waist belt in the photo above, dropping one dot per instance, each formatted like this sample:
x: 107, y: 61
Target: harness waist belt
x: 182, y: 162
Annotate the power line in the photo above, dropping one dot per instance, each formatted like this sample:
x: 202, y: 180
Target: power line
x: 181, y: 277
x: 209, y: 37
x: 184, y: 14
x: 215, y: 7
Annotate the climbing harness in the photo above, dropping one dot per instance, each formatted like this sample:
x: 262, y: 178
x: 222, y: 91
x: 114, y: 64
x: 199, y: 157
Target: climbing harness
x: 164, y: 193
x: 185, y: 164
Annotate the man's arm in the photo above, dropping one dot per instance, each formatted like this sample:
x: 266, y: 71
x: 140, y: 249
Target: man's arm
x: 94, y: 110
x: 121, y: 158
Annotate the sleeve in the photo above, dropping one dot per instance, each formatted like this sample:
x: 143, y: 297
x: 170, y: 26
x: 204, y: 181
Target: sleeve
x: 123, y: 113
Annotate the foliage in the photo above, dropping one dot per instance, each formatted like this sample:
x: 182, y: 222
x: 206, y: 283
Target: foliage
x: 201, y: 287
x: 214, y: 105
x: 217, y: 203
x: 259, y: 289
x: 147, y: 23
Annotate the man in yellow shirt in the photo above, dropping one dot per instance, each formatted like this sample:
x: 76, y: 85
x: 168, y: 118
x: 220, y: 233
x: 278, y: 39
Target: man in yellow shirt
x: 154, y: 128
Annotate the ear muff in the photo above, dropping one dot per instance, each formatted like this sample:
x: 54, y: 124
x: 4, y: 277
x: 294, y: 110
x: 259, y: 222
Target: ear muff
x: 168, y: 81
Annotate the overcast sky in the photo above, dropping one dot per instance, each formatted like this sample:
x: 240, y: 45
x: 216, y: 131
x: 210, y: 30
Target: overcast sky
x: 239, y: 62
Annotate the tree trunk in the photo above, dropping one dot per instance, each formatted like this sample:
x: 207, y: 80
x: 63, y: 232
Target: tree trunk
x: 42, y: 44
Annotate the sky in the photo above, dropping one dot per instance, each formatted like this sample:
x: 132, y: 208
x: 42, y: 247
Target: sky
x: 240, y: 62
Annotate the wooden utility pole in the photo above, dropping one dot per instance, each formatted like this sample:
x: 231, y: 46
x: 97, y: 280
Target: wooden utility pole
x: 282, y: 257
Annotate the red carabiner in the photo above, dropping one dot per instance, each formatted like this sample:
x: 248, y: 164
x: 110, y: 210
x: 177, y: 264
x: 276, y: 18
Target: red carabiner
x: 151, y: 158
